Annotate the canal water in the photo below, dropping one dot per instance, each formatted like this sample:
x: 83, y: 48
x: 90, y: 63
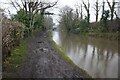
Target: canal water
x: 97, y: 56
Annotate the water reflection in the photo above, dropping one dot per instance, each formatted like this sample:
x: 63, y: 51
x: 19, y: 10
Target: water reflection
x: 99, y: 57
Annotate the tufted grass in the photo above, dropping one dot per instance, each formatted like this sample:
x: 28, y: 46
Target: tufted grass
x: 12, y: 63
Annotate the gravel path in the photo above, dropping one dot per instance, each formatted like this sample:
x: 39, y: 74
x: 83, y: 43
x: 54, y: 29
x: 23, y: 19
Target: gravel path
x: 43, y: 61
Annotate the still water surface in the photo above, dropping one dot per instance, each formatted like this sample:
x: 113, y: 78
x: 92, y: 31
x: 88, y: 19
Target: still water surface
x: 99, y: 57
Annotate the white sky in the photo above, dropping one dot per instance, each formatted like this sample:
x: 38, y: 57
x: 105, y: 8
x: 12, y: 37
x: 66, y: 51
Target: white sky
x: 73, y: 3
x: 62, y: 3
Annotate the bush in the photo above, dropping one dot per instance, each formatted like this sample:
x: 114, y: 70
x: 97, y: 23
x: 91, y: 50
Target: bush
x: 12, y: 33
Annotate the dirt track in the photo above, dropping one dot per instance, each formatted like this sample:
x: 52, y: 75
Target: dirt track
x: 43, y: 61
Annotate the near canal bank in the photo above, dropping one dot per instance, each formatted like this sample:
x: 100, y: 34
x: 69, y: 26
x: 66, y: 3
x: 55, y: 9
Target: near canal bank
x: 43, y: 60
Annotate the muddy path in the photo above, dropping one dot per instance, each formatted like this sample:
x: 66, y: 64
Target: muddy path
x: 43, y: 61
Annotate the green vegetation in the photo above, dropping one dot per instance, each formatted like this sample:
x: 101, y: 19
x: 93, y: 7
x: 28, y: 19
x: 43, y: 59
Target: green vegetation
x: 32, y: 14
x: 71, y: 21
x: 21, y: 16
x: 12, y: 34
x: 29, y: 20
x: 30, y: 17
x: 18, y: 54
x: 59, y: 50
x: 17, y: 57
x: 75, y: 22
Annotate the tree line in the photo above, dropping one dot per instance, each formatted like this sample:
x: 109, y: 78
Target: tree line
x: 74, y: 22
x: 32, y: 13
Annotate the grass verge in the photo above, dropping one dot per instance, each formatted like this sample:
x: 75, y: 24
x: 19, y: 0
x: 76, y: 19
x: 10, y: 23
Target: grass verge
x: 12, y: 63
x: 19, y: 53
x: 18, y: 56
x: 65, y: 57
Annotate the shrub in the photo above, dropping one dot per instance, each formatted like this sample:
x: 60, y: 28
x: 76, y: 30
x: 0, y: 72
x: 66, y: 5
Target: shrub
x: 12, y: 33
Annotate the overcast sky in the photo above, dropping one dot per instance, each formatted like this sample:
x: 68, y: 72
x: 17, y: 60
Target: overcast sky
x: 62, y: 3
x: 73, y: 3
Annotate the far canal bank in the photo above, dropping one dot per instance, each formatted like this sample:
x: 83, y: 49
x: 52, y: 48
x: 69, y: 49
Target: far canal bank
x: 109, y: 35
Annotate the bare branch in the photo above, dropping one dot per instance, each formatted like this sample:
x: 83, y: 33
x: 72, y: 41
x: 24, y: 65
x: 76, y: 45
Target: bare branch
x: 112, y: 8
x: 18, y: 4
x: 14, y: 5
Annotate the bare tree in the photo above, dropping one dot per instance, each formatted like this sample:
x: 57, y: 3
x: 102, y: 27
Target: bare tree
x: 112, y: 8
x: 103, y: 9
x: 97, y: 9
x: 116, y: 15
x: 77, y: 14
x: 87, y: 8
x: 81, y: 12
x: 67, y: 17
x: 33, y: 7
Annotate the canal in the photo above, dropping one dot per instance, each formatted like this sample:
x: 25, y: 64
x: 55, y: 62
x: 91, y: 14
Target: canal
x: 97, y: 56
